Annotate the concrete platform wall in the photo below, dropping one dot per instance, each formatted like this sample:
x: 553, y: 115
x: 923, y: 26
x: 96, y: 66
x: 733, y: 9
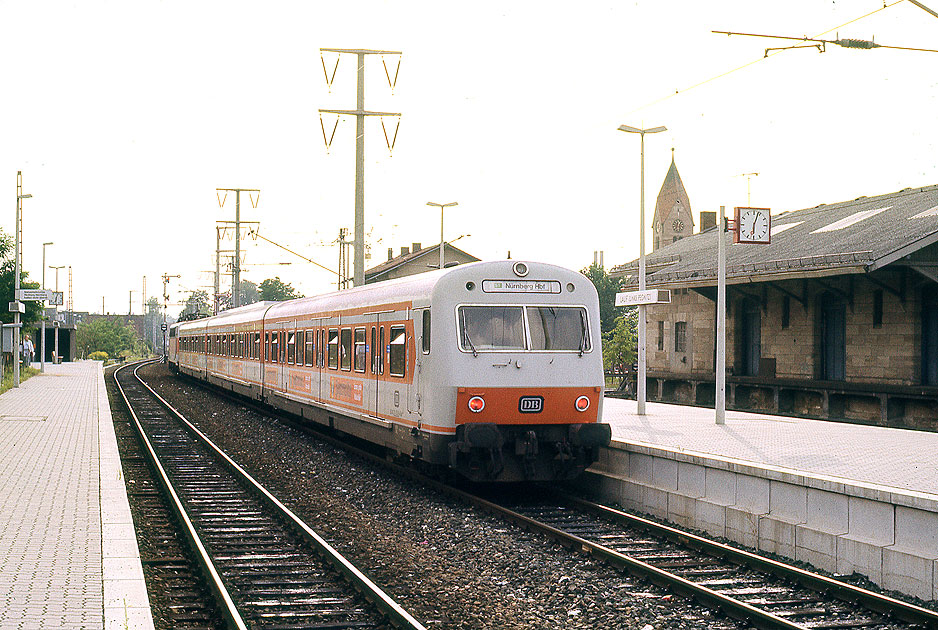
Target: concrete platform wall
x: 841, y: 527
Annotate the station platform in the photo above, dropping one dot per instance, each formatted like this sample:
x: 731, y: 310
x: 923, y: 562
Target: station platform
x: 843, y: 497
x: 68, y: 552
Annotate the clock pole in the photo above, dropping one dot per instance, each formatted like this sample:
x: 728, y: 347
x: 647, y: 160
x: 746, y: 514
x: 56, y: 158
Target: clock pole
x: 720, y: 401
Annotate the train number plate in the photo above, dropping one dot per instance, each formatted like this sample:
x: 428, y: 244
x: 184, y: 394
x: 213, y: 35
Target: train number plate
x: 531, y: 404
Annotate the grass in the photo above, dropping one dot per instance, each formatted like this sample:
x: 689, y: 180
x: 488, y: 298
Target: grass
x: 25, y: 373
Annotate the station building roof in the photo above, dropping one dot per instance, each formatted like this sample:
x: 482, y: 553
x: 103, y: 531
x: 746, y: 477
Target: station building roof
x: 850, y: 237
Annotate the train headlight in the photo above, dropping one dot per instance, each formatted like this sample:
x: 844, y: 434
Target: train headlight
x: 582, y: 403
x: 476, y: 404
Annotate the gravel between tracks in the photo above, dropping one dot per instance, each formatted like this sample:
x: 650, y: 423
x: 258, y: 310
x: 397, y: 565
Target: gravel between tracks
x: 448, y: 564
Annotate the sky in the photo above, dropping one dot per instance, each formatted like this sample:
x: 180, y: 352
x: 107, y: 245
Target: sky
x: 124, y: 118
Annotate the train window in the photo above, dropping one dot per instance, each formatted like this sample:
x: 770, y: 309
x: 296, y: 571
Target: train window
x: 283, y: 347
x: 397, y: 359
x: 491, y: 328
x: 345, y: 349
x: 300, y: 346
x: 425, y: 335
x: 275, y: 347
x: 359, y: 349
x: 381, y: 350
x: 310, y: 347
x: 374, y: 351
x: 266, y: 346
x: 558, y: 328
x: 333, y: 348
x: 291, y: 347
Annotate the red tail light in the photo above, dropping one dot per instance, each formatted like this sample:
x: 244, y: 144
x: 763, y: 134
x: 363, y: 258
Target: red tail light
x: 582, y: 403
x: 476, y: 404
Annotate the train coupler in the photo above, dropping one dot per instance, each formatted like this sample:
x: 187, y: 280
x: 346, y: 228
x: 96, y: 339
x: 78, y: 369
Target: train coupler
x: 526, y: 447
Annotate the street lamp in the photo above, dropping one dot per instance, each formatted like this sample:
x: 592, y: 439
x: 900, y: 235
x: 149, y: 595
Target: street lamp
x: 640, y: 394
x: 42, y: 340
x: 441, y: 206
x: 17, y: 353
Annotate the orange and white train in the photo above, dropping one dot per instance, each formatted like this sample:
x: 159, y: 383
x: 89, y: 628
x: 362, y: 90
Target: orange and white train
x: 493, y: 369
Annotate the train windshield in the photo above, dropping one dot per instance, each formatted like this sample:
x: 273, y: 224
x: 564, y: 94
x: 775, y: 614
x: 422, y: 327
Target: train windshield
x: 500, y: 328
x: 558, y: 328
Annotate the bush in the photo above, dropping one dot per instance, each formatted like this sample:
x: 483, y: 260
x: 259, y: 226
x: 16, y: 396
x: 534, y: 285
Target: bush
x: 98, y: 356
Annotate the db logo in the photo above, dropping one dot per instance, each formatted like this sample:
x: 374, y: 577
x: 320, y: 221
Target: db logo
x: 531, y: 404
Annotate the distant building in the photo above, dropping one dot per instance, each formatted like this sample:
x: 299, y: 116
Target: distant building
x: 837, y: 317
x: 416, y: 259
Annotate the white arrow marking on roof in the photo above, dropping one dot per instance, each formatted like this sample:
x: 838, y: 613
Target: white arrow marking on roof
x: 778, y: 229
x: 851, y: 220
x: 933, y: 212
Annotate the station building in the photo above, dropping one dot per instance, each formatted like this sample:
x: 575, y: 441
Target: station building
x: 836, y: 318
x: 417, y: 259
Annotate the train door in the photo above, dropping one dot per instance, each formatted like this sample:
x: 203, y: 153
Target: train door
x: 374, y: 335
x: 415, y: 383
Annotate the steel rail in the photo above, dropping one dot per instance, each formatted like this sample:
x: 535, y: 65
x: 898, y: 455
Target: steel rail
x: 848, y: 592
x: 229, y: 610
x: 396, y: 614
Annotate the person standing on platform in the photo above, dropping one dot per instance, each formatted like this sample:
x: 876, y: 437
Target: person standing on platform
x: 28, y: 350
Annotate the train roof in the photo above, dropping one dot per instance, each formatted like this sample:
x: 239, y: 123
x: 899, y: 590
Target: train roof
x: 409, y: 289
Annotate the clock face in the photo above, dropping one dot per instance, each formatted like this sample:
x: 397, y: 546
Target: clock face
x: 677, y: 225
x: 754, y: 225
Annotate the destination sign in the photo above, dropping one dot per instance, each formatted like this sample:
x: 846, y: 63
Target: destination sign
x: 34, y: 295
x: 521, y: 286
x: 635, y: 298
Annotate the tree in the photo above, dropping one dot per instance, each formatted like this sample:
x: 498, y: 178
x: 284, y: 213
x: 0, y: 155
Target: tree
x: 249, y: 293
x: 607, y: 287
x: 277, y: 290
x: 619, y: 347
x: 108, y: 335
x: 197, y: 306
x: 34, y: 310
x: 151, y: 323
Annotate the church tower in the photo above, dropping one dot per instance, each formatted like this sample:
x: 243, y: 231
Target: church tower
x: 673, y: 220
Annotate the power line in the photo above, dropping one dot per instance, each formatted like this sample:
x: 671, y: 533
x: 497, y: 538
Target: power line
x: 253, y: 232
x: 755, y: 61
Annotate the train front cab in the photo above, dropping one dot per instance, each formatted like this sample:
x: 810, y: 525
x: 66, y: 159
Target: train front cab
x: 525, y: 373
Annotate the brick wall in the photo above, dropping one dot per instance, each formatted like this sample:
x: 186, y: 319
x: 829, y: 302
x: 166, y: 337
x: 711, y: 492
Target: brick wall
x: 887, y: 354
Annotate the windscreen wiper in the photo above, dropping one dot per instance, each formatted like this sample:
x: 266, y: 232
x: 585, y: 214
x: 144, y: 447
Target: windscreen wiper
x: 465, y: 335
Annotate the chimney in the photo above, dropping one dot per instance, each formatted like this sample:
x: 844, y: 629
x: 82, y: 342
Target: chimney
x: 390, y: 253
x: 404, y: 251
x: 415, y: 247
x: 707, y: 220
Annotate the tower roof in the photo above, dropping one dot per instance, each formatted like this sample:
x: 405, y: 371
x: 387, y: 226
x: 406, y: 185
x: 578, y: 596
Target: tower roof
x: 672, y: 191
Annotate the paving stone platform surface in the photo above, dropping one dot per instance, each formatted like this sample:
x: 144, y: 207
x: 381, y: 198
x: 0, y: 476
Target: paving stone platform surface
x: 903, y: 459
x: 68, y: 555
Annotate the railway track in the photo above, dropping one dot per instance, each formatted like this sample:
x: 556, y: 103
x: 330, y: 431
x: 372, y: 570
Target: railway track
x: 760, y: 591
x: 764, y: 592
x: 265, y: 567
x: 179, y: 595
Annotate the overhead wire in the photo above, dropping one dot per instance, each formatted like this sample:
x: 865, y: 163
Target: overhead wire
x: 755, y: 61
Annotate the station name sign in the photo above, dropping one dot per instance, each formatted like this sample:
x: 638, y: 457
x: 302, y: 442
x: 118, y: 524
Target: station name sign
x: 40, y: 295
x: 636, y: 298
x: 521, y: 286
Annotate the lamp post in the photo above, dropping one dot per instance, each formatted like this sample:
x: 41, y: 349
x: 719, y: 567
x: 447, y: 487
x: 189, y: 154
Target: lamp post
x: 641, y: 268
x: 17, y: 354
x: 55, y: 324
x: 441, y: 206
x: 42, y: 340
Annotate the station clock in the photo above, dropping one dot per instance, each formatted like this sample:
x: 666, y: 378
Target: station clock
x: 753, y: 225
